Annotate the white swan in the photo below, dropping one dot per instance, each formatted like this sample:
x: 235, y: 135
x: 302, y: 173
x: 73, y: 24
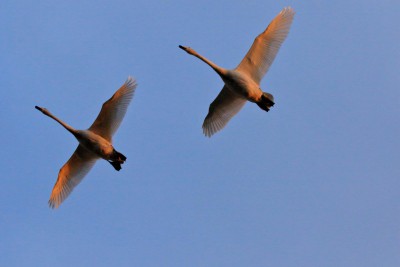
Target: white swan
x: 94, y: 143
x: 242, y: 83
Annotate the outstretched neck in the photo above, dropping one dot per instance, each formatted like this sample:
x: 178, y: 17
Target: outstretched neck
x: 218, y: 69
x: 66, y: 126
x: 221, y: 71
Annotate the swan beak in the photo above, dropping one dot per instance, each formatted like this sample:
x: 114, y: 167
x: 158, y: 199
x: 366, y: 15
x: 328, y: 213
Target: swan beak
x: 182, y: 47
x: 40, y: 109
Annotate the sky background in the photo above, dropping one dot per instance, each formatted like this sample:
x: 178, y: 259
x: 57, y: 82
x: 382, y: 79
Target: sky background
x: 314, y: 182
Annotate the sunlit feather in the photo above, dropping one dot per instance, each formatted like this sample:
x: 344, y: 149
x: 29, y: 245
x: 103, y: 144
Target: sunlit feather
x: 94, y: 143
x: 242, y: 83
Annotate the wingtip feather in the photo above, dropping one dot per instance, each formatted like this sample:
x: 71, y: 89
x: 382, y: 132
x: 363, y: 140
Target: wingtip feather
x: 131, y: 82
x: 207, y: 132
x: 54, y: 203
x: 288, y: 11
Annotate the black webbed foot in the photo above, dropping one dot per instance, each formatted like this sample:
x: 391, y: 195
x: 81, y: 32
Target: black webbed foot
x: 116, y: 165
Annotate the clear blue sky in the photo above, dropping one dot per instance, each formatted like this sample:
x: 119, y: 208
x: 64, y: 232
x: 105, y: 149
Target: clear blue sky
x: 314, y: 182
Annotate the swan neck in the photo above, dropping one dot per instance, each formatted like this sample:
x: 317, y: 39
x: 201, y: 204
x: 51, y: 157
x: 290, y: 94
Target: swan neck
x: 218, y: 69
x: 66, y: 126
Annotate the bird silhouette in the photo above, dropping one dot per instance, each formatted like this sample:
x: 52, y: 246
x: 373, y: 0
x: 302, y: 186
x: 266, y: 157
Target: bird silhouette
x: 242, y: 84
x: 94, y: 143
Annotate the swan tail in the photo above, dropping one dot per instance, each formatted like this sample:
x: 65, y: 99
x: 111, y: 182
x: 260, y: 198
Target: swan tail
x: 120, y: 156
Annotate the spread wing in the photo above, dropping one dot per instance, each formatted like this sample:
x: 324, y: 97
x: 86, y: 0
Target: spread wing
x: 71, y: 174
x: 221, y: 110
x: 113, y: 110
x: 265, y: 47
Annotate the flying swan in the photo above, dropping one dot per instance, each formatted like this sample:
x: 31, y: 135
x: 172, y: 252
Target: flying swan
x: 94, y: 143
x: 242, y: 83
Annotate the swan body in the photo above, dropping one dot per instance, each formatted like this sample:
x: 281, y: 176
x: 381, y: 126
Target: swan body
x: 94, y: 143
x: 242, y: 84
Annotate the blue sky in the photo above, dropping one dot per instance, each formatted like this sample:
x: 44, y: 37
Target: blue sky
x: 314, y: 182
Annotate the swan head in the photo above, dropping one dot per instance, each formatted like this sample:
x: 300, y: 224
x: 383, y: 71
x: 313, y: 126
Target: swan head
x: 43, y: 110
x: 188, y: 50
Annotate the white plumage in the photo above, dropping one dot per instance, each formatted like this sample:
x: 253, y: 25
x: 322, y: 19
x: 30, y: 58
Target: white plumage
x: 242, y: 83
x: 94, y: 143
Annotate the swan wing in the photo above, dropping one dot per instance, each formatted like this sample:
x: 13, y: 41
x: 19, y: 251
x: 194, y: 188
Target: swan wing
x: 221, y: 110
x: 71, y: 174
x: 113, y: 110
x: 266, y: 45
